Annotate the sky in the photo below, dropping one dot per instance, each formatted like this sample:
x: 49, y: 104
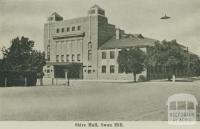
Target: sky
x: 27, y: 18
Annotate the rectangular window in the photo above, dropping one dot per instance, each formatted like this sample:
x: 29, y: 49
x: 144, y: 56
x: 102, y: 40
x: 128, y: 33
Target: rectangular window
x: 89, y: 54
x: 73, y: 28
x: 89, y: 45
x: 67, y: 58
x: 62, y: 58
x: 73, y: 56
x: 48, y: 71
x: 103, y: 55
x: 78, y: 57
x: 68, y: 29
x: 89, y: 71
x: 63, y: 29
x: 57, y: 30
x: 112, y: 54
x: 79, y: 27
x: 112, y: 69
x: 57, y: 58
x: 103, y: 69
x: 101, y: 12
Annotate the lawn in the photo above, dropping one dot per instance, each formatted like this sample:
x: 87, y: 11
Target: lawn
x: 92, y: 101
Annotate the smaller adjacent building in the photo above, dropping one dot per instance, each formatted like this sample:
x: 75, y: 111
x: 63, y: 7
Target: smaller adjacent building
x: 108, y: 54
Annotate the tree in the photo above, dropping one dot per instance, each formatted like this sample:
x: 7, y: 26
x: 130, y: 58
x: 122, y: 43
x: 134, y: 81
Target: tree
x: 21, y: 56
x: 172, y: 56
x: 194, y: 65
x: 131, y: 61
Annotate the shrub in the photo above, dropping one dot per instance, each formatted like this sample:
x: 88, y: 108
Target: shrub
x: 142, y: 78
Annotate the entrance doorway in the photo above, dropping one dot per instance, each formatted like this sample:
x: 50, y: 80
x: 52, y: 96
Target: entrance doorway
x: 75, y: 71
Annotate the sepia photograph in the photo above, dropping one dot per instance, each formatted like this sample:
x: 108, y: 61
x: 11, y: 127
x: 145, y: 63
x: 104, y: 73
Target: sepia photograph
x: 89, y: 61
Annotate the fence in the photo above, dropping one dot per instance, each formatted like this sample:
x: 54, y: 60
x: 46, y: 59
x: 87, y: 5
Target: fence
x: 18, y: 78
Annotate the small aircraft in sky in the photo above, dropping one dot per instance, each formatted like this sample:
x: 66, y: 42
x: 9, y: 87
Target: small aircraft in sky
x: 165, y: 17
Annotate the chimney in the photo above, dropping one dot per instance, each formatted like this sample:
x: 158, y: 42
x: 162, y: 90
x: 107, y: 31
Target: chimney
x: 118, y: 33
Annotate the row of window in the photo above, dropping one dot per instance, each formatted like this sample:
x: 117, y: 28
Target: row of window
x: 61, y: 58
x: 68, y: 29
x: 93, y: 11
x: 89, y: 71
x: 112, y: 69
x: 48, y: 70
x: 112, y: 55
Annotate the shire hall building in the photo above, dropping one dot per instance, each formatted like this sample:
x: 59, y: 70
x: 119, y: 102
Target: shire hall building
x: 87, y: 47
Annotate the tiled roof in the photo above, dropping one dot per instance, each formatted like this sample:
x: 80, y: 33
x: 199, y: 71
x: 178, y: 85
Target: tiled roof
x: 127, y: 42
